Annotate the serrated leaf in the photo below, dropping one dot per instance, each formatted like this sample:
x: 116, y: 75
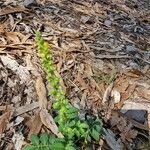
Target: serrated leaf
x: 88, y: 138
x: 69, y: 148
x: 77, y: 132
x: 30, y: 147
x: 52, y: 139
x: 84, y: 125
x: 95, y: 134
x: 58, y: 146
x: 98, y: 128
x: 72, y: 123
x: 72, y: 110
x: 44, y: 138
x: 72, y: 115
x: 35, y: 140
x: 46, y: 148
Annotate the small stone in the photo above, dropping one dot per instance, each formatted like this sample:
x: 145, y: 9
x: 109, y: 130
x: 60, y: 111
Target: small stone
x: 26, y: 3
x: 138, y: 115
x: 107, y: 23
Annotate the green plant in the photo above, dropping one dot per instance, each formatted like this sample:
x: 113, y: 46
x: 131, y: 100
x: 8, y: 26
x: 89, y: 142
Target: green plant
x: 70, y: 125
x: 47, y: 142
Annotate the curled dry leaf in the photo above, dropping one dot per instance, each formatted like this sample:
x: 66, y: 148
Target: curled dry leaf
x: 10, y: 10
x: 17, y: 37
x: 12, y: 36
x: 83, y: 98
x: 41, y: 92
x: 107, y: 93
x: 4, y: 119
x: 49, y: 122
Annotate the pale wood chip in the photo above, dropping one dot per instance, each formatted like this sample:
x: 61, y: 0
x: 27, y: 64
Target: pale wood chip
x: 26, y: 108
x: 49, y: 122
x: 41, y: 92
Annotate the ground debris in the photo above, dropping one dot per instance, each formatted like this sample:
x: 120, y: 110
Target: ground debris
x: 101, y: 53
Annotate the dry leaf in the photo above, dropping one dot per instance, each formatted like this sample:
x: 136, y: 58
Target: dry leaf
x: 49, y: 122
x: 143, y: 92
x: 20, y: 70
x: 124, y: 126
x: 41, y: 92
x: 9, y: 10
x: 128, y: 92
x: 35, y: 124
x: 107, y: 93
x: 109, y: 136
x: 26, y: 108
x: 4, y: 120
x: 17, y: 37
x: 84, y: 98
x: 12, y: 37
x: 121, y: 84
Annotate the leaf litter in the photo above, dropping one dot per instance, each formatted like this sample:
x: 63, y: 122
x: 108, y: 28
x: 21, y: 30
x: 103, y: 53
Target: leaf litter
x: 101, y: 52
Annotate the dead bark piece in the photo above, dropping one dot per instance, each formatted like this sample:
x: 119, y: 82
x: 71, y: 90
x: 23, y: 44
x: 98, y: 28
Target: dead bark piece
x: 112, y: 56
x: 35, y: 124
x: 48, y: 121
x: 10, y: 10
x: 149, y: 123
x: 4, y: 119
x: 109, y: 136
x: 107, y: 93
x: 41, y: 92
x: 26, y: 108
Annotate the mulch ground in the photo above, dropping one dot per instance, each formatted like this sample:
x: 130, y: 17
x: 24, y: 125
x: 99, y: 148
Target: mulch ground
x: 101, y: 51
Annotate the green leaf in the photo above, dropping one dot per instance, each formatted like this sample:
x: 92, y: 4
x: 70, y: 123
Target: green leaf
x: 58, y: 146
x: 72, y: 115
x: 52, y: 139
x: 77, y: 132
x: 30, y: 147
x: 84, y: 125
x: 44, y: 139
x: 46, y: 148
x: 98, y: 128
x: 69, y: 148
x: 35, y: 140
x: 71, y: 123
x: 95, y: 134
x: 72, y: 110
x: 88, y: 138
x: 70, y: 145
x: 56, y: 105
